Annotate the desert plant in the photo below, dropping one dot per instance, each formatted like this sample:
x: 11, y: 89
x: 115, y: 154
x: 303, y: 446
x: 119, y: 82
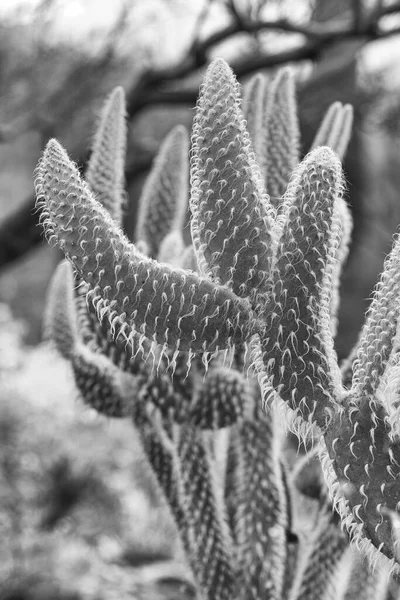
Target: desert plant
x: 173, y: 347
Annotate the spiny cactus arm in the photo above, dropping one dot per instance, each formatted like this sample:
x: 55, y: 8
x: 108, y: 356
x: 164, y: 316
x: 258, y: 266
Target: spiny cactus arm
x: 261, y: 520
x: 297, y: 347
x: 163, y: 202
x: 105, y: 170
x: 173, y: 307
x: 378, y: 344
x: 342, y: 252
x: 365, y: 582
x: 361, y: 468
x: 335, y: 129
x: 231, y: 215
x: 220, y: 401
x: 61, y: 317
x: 323, y: 569
x: 280, y: 153
x: 363, y: 445
x: 136, y: 358
x: 253, y: 107
x: 102, y: 386
x: 158, y: 391
x: 204, y: 514
x: 172, y: 249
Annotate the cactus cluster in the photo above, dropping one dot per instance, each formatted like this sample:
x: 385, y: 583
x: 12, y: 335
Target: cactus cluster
x: 210, y: 347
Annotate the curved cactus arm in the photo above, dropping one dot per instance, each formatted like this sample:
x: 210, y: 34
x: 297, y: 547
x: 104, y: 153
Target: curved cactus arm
x: 163, y: 201
x: 363, y: 444
x: 261, y: 510
x: 220, y: 401
x: 297, y: 345
x: 281, y: 135
x: 212, y: 543
x: 335, y: 129
x: 173, y: 307
x: 172, y: 249
x: 101, y: 384
x: 378, y: 344
x: 254, y: 93
x: 61, y: 323
x: 361, y: 467
x: 105, y: 170
x: 323, y: 563
x: 231, y: 215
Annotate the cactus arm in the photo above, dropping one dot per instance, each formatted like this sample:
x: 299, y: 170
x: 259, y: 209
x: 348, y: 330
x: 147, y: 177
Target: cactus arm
x: 331, y: 118
x: 297, y: 346
x: 231, y: 216
x: 172, y: 248
x: 253, y: 105
x: 105, y: 170
x: 341, y: 257
x: 170, y: 306
x: 61, y: 317
x: 101, y: 384
x: 281, y: 135
x: 364, y: 582
x: 322, y: 567
x: 378, y: 339
x: 335, y: 129
x: 363, y: 444
x: 261, y: 513
x: 163, y: 202
x: 212, y: 547
x: 219, y: 402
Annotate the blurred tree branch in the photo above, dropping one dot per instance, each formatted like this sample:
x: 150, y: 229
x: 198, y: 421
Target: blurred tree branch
x: 19, y: 232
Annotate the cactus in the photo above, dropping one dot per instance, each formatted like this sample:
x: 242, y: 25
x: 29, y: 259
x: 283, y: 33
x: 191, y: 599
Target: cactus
x: 262, y: 304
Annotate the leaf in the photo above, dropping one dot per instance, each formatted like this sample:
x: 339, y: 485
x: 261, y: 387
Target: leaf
x: 231, y: 215
x: 163, y: 203
x: 173, y: 307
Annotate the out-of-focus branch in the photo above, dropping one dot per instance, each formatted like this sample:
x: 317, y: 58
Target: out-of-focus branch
x: 19, y: 233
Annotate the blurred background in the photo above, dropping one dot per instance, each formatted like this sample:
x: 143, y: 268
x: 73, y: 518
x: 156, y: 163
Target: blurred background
x: 74, y: 496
